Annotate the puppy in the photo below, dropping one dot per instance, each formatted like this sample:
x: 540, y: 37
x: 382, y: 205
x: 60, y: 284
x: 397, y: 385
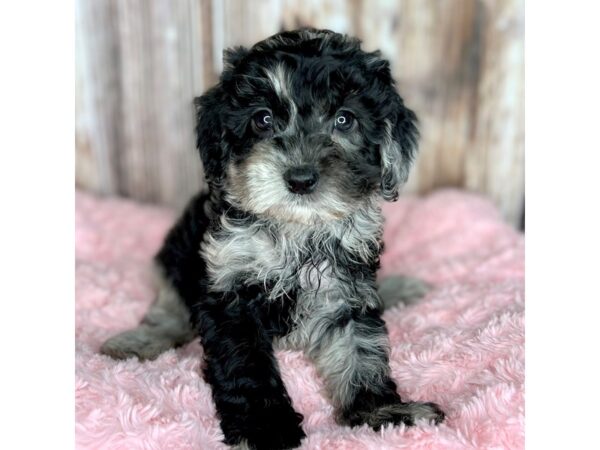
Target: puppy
x: 300, y: 139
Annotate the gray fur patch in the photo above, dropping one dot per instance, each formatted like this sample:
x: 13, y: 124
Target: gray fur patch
x: 350, y: 358
x: 399, y: 289
x: 280, y: 82
x: 165, y: 326
x: 394, y: 171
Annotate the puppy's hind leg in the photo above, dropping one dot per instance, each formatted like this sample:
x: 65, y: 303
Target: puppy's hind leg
x: 166, y: 325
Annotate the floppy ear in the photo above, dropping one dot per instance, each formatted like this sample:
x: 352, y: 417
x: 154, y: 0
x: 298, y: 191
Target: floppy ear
x: 398, y: 148
x: 209, y: 132
x: 210, y: 112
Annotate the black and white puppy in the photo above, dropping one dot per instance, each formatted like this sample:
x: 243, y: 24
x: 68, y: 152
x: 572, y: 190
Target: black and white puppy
x: 300, y: 139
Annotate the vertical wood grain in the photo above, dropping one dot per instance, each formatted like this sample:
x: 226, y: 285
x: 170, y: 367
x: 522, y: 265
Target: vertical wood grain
x: 97, y: 95
x: 161, y: 70
x: 495, y: 161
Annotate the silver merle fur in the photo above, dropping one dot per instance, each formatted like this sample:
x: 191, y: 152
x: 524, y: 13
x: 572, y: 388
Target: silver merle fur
x: 300, y: 139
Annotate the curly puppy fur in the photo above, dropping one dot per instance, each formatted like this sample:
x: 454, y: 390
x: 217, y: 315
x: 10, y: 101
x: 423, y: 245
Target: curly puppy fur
x: 300, y: 139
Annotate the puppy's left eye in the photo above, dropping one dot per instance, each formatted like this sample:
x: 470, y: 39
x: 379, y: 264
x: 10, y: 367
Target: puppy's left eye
x: 263, y: 121
x: 344, y: 120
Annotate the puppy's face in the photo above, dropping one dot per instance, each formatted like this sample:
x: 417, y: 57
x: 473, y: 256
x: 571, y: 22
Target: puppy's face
x: 305, y: 127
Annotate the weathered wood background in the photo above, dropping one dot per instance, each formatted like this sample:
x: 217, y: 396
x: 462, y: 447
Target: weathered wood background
x: 458, y: 63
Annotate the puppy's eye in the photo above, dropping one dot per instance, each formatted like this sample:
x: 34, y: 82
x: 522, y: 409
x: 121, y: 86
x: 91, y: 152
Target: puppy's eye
x: 344, y: 120
x: 263, y: 121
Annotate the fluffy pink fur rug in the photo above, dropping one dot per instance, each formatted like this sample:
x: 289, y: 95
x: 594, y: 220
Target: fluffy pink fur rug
x: 461, y: 346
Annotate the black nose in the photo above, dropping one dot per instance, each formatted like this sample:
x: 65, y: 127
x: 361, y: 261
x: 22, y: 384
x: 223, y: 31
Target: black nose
x: 301, y: 180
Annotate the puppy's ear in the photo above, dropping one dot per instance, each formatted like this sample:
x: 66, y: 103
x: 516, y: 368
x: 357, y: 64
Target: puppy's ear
x: 209, y: 132
x: 210, y: 112
x: 398, y: 148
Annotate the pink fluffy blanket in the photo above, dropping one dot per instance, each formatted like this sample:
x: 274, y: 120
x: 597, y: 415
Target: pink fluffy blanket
x: 461, y: 346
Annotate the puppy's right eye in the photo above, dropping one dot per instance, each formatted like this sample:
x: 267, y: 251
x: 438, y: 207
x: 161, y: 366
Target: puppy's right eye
x: 263, y: 121
x: 344, y: 121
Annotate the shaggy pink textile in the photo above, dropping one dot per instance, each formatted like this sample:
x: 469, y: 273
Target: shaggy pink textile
x: 461, y: 346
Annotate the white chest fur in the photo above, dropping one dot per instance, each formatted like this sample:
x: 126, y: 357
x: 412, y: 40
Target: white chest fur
x: 288, y: 256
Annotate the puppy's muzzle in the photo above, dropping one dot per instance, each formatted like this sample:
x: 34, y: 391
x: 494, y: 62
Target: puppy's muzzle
x: 301, y: 180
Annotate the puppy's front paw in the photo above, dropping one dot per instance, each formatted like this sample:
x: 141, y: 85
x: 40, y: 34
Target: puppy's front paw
x: 407, y: 413
x: 271, y: 428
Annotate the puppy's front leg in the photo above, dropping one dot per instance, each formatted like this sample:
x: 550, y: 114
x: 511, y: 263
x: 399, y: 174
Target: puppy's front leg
x: 241, y: 368
x: 352, y: 355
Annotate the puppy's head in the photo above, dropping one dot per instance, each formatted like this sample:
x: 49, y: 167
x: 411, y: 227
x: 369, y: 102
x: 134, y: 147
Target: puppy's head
x: 305, y: 127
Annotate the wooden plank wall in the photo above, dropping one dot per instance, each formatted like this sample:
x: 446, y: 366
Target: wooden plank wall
x: 458, y: 63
